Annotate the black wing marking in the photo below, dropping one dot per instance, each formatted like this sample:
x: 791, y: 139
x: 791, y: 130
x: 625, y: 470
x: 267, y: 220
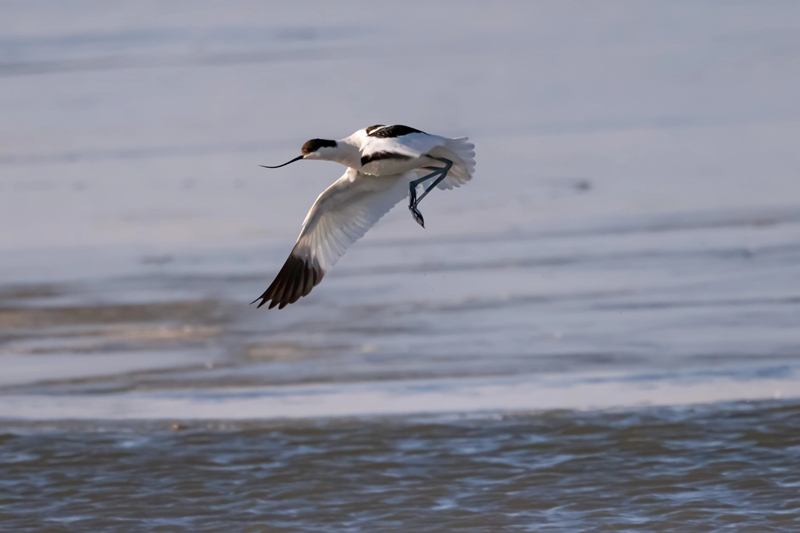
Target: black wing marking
x: 377, y: 156
x: 297, y: 277
x: 373, y: 128
x: 391, y: 131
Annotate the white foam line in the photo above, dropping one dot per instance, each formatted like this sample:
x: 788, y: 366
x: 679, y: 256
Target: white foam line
x: 598, y: 391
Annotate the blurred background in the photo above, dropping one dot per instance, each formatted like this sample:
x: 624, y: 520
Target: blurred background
x: 636, y: 206
x: 631, y: 236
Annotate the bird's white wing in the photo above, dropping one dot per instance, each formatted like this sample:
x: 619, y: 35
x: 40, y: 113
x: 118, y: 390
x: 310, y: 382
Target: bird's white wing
x: 413, y: 145
x: 340, y: 216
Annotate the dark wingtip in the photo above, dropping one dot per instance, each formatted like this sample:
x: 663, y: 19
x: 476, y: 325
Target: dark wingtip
x: 296, y: 279
x: 263, y: 301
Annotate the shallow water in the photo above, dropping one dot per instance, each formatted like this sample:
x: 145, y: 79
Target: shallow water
x: 630, y: 241
x: 724, y: 468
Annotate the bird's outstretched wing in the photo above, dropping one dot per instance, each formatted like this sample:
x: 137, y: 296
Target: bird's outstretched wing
x: 340, y: 216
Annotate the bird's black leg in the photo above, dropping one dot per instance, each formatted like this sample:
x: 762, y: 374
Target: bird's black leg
x: 444, y: 170
x: 413, y: 201
x: 412, y: 188
x: 412, y: 194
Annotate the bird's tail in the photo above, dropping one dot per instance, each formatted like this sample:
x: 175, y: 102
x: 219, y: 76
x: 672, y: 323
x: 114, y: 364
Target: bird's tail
x: 462, y: 153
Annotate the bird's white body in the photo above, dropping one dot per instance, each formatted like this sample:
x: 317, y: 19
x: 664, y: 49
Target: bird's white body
x: 383, y: 164
x: 362, y: 151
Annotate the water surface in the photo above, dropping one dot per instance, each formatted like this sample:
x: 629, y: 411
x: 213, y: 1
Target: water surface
x: 727, y: 468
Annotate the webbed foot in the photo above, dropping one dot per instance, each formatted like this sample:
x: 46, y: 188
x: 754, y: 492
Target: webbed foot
x: 417, y: 215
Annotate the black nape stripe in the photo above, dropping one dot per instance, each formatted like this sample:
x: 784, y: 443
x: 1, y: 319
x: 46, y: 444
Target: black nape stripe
x: 391, y: 131
x: 377, y: 156
x: 315, y: 144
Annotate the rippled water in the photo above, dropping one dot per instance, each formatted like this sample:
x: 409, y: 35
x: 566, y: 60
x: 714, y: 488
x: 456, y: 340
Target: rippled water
x: 724, y: 468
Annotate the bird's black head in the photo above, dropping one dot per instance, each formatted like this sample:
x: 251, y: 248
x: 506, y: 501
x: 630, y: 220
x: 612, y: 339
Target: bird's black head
x: 315, y: 144
x: 314, y: 149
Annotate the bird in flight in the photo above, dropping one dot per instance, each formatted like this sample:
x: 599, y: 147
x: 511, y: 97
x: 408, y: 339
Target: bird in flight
x: 384, y: 163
